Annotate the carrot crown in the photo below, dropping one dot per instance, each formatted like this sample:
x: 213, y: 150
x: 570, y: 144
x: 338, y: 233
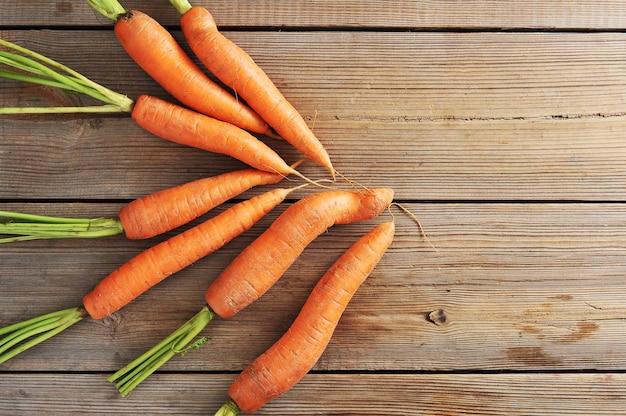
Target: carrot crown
x: 230, y: 408
x: 182, y: 6
x: 108, y: 8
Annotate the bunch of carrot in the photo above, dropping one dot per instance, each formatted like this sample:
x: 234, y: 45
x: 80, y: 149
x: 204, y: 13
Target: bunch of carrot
x: 215, y: 120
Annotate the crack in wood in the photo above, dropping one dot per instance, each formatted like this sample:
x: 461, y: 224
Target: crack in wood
x: 448, y: 118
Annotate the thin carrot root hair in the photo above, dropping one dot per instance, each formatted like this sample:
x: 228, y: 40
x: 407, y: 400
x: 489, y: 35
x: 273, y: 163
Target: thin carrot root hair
x: 356, y: 185
x: 306, y: 178
x: 317, y: 183
x: 314, y: 120
x: 359, y: 186
x: 298, y: 163
x: 417, y: 221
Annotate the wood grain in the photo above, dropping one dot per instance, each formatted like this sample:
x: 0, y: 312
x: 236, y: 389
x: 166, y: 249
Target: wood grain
x: 372, y: 14
x: 499, y: 124
x: 511, y: 286
x: 337, y: 394
x: 485, y: 116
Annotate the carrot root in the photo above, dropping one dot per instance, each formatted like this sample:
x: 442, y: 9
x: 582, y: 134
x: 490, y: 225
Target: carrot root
x: 292, y: 356
x: 168, y: 257
x: 170, y: 208
x: 156, y: 51
x: 184, y: 126
x: 265, y: 260
x: 235, y: 68
x: 19, y: 336
x: 178, y: 342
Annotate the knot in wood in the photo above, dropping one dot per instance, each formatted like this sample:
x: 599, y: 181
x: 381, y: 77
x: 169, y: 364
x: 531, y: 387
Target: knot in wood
x: 438, y: 317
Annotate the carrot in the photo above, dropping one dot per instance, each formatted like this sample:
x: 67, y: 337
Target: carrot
x: 168, y: 209
x: 279, y: 368
x: 142, y: 218
x: 170, y: 256
x: 143, y: 271
x: 264, y: 261
x: 180, y: 125
x: 164, y: 119
x: 156, y: 51
x: 259, y: 266
x: 235, y: 68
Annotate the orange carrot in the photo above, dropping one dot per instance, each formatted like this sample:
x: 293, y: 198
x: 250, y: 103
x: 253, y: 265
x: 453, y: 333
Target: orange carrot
x: 142, y: 218
x: 153, y: 265
x: 154, y: 49
x: 167, y: 120
x: 170, y: 208
x: 285, y: 363
x: 235, y: 68
x: 180, y: 125
x: 143, y: 271
x: 265, y: 260
x: 258, y: 267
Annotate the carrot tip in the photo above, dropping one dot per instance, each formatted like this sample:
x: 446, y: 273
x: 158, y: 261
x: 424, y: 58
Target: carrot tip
x: 298, y: 163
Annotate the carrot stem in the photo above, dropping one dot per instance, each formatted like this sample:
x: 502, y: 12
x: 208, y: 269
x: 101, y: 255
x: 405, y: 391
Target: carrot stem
x: 182, y: 6
x: 31, y: 227
x: 45, y: 71
x: 108, y: 8
x: 108, y: 108
x: 230, y: 408
x: 178, y: 342
x: 46, y: 326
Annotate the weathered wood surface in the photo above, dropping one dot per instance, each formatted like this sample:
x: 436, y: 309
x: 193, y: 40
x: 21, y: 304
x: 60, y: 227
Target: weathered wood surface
x: 508, y: 145
x: 337, y: 394
x: 474, y: 115
x: 430, y: 14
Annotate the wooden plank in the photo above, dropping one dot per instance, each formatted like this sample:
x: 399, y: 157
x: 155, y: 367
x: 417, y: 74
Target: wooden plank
x: 479, y: 160
x: 512, y: 286
x: 520, y: 309
x: 362, y: 394
x: 400, y: 14
x: 478, y: 116
x: 399, y: 77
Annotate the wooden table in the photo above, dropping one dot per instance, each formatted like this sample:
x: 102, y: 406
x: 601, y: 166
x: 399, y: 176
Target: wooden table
x: 500, y: 124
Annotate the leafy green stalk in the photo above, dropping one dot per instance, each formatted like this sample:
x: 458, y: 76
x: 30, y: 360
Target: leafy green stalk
x: 230, y: 408
x: 108, y: 8
x: 179, y: 342
x: 182, y: 6
x: 19, y: 226
x: 24, y: 335
x: 60, y: 110
x: 30, y: 66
